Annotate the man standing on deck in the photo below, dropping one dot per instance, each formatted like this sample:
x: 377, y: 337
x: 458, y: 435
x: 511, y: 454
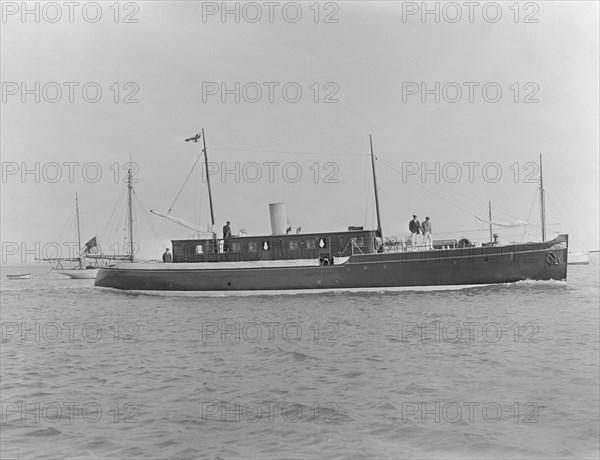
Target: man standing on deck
x: 226, y: 236
x: 427, y: 238
x: 167, y: 257
x: 415, y: 228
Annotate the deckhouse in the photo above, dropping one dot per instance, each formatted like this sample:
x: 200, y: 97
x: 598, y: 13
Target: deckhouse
x: 323, y: 246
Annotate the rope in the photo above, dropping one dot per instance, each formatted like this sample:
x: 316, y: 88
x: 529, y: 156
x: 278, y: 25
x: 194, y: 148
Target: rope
x: 185, y: 182
x: 111, y: 219
x: 392, y: 166
x: 580, y: 229
x: 287, y: 152
x: 152, y: 228
x: 389, y: 165
x: 535, y: 197
x: 366, y: 194
x: 69, y: 224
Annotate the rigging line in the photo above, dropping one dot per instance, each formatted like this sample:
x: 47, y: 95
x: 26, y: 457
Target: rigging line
x: 135, y: 234
x: 199, y: 192
x: 185, y: 182
x: 69, y: 225
x: 427, y: 190
x: 289, y: 152
x: 458, y: 193
x: 366, y: 194
x: 580, y: 229
x: 148, y: 221
x: 535, y: 198
x: 126, y: 242
x: 111, y: 219
x: 556, y: 199
x: 572, y: 190
x: 537, y: 224
x: 529, y: 216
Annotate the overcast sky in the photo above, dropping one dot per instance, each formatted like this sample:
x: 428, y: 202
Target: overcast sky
x: 328, y: 79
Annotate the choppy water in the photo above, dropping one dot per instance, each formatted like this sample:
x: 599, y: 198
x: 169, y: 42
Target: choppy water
x: 509, y: 371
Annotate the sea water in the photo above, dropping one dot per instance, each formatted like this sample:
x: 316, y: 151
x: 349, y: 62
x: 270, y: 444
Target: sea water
x: 505, y: 371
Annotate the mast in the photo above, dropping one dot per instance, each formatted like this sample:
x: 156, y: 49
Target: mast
x: 212, y: 214
x: 490, y: 215
x: 379, y: 232
x: 78, y: 231
x: 542, y: 202
x: 130, y: 205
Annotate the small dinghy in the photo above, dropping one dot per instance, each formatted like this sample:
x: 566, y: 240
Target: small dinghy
x: 23, y: 276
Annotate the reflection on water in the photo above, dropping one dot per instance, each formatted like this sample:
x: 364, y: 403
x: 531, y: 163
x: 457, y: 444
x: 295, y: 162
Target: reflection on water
x: 496, y: 371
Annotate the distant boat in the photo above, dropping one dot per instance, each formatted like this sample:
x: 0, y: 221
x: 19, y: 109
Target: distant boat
x: 23, y: 276
x: 579, y: 258
x: 79, y: 271
x: 127, y: 257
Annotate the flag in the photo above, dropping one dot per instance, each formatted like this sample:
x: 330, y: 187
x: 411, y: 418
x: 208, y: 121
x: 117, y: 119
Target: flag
x: 196, y: 138
x: 90, y: 244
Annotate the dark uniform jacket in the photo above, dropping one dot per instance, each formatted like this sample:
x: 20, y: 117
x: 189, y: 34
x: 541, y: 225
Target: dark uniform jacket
x: 414, y: 226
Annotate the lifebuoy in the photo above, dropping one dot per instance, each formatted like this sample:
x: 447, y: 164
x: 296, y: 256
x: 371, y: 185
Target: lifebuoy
x: 552, y: 259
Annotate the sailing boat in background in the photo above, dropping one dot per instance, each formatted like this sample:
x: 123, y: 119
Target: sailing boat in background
x: 81, y: 270
x: 573, y: 258
x: 579, y: 258
x: 130, y: 251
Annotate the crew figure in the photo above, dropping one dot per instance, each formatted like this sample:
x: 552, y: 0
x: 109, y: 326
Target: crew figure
x: 167, y: 256
x: 415, y: 228
x: 226, y: 236
x: 427, y: 238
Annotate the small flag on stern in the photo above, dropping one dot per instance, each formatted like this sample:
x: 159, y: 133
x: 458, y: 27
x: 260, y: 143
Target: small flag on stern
x: 90, y: 244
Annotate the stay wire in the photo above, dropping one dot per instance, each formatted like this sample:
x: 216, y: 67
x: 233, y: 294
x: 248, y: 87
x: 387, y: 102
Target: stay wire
x: 388, y: 164
x: 185, y: 181
x: 289, y: 152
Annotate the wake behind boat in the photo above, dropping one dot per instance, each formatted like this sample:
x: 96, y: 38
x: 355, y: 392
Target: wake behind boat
x: 348, y: 260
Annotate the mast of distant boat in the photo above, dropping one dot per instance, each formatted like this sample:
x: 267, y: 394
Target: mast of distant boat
x: 78, y: 232
x: 379, y: 231
x: 542, y: 202
x: 130, y: 205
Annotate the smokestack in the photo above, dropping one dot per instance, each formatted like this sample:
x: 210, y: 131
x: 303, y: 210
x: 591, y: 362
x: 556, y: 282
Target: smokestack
x: 278, y: 218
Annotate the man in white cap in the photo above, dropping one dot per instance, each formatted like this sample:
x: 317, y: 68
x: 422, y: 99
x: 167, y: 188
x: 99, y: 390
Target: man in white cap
x: 427, y: 238
x: 226, y: 236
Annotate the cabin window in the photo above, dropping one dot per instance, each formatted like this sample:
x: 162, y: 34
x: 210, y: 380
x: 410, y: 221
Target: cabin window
x: 311, y: 244
x: 236, y: 247
x: 293, y: 244
x: 252, y: 246
x: 199, y: 249
x: 360, y: 241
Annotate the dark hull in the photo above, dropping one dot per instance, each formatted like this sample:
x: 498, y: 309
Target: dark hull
x: 453, y: 267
